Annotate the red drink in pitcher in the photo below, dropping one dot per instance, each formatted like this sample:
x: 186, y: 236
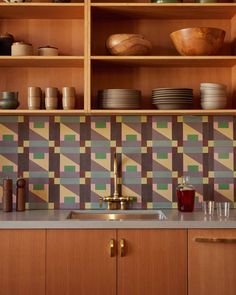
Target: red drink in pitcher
x: 185, y: 196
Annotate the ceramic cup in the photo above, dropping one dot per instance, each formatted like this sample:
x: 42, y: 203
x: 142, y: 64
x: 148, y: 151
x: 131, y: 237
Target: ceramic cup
x: 34, y: 98
x: 68, y: 98
x: 21, y: 49
x: 47, y: 51
x: 51, y: 98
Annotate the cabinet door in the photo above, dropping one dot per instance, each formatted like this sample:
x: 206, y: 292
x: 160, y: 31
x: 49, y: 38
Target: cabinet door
x: 153, y: 262
x: 212, y: 263
x: 79, y: 262
x: 22, y: 267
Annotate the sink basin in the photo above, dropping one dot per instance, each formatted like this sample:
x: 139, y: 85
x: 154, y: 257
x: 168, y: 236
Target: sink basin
x: 158, y: 215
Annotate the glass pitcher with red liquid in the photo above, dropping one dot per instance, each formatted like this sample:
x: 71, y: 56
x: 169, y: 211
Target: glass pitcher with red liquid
x: 185, y: 196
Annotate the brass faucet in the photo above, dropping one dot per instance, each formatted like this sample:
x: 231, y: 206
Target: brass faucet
x: 116, y: 201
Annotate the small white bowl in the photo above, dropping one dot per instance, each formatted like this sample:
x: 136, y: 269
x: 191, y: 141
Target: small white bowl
x: 213, y: 91
x: 214, y: 99
x: 213, y: 85
x: 213, y: 105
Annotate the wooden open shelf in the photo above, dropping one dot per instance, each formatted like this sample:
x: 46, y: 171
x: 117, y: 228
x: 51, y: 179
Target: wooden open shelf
x: 166, y: 61
x: 164, y: 11
x: 165, y: 112
x: 41, y: 61
x: 41, y: 10
x: 41, y: 112
x: 80, y: 31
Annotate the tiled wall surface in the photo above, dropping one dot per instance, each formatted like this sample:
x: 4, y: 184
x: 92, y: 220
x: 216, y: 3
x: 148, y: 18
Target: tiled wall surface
x: 67, y: 161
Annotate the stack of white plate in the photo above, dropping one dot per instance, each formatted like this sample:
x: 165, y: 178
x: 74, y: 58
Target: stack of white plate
x: 119, y: 99
x: 213, y: 96
x: 172, y: 98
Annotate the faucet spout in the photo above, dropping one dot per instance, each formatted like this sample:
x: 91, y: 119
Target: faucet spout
x: 116, y: 201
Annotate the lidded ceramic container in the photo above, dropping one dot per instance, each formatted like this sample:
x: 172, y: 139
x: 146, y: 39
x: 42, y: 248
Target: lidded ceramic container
x: 47, y: 51
x: 21, y: 49
x: 6, y: 41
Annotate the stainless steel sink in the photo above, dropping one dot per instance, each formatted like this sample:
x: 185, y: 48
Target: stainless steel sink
x: 158, y: 215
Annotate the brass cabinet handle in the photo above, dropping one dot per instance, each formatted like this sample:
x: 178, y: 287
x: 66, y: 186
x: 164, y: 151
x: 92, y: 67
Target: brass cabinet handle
x: 216, y: 240
x: 122, y: 247
x: 112, y: 248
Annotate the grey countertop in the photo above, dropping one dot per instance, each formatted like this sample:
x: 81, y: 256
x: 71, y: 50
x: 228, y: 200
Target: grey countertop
x: 58, y: 219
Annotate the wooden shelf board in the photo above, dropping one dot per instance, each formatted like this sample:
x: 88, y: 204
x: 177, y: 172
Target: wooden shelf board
x: 41, y: 61
x: 41, y: 10
x: 41, y: 112
x: 165, y: 11
x: 198, y: 112
x: 166, y: 61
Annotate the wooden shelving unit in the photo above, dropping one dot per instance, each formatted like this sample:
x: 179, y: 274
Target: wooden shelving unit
x: 80, y: 30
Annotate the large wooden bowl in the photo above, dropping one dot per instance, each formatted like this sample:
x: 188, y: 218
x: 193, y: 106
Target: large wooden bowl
x: 128, y: 44
x: 198, y: 41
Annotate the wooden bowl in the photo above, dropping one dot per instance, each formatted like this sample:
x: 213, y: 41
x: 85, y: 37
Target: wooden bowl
x: 128, y: 44
x: 198, y: 41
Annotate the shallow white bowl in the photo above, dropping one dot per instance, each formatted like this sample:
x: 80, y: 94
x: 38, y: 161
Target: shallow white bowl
x: 213, y: 105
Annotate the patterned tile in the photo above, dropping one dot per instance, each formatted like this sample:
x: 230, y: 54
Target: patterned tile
x: 67, y: 161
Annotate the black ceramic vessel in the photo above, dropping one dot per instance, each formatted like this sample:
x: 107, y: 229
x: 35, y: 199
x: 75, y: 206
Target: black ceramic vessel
x: 6, y: 41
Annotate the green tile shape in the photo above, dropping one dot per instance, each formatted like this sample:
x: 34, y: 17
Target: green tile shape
x: 100, y: 125
x: 69, y: 168
x: 223, y: 155
x: 223, y: 124
x: 38, y: 186
x: 162, y: 124
x: 131, y: 168
x: 193, y: 168
x: 162, y: 155
x: 38, y: 156
x: 192, y: 137
x: 7, y: 169
x: 8, y: 137
x: 162, y: 186
x: 39, y: 124
x: 100, y: 156
x: 69, y: 137
x: 223, y: 186
x: 131, y: 137
x: 100, y: 186
x: 69, y: 200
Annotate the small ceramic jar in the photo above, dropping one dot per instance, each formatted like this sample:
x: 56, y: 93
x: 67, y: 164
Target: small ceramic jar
x: 68, y: 98
x: 34, y: 98
x: 6, y: 41
x: 21, y: 49
x: 48, y: 51
x: 51, y: 98
x: 9, y: 100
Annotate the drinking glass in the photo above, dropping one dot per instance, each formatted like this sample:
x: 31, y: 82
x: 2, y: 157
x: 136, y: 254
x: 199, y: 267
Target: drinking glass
x: 208, y: 208
x: 223, y: 209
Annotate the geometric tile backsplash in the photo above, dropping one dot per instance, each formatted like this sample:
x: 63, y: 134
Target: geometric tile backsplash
x: 67, y: 161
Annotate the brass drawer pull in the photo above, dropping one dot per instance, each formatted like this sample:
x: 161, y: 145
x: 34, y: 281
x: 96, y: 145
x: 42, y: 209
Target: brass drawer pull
x: 216, y: 240
x: 122, y: 247
x: 112, y: 248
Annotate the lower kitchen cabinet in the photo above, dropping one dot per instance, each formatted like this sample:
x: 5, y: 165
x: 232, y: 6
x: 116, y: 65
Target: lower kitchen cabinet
x: 153, y: 262
x: 81, y: 262
x: 141, y: 262
x: 211, y: 262
x: 22, y: 267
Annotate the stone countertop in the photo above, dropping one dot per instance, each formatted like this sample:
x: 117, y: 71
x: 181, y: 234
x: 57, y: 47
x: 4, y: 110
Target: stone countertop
x: 57, y: 219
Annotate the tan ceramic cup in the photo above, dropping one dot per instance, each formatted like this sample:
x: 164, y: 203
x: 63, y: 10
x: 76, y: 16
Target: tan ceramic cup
x: 47, y: 51
x: 68, y: 98
x: 51, y: 98
x: 34, y: 98
x: 21, y: 49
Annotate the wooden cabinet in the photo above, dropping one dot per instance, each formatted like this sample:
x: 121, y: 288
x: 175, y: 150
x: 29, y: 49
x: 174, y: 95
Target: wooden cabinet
x: 22, y: 267
x: 153, y: 261
x: 79, y: 262
x: 211, y: 262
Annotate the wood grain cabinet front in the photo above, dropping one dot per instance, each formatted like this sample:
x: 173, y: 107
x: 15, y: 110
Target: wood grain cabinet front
x: 117, y: 262
x: 22, y: 267
x: 211, y: 262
